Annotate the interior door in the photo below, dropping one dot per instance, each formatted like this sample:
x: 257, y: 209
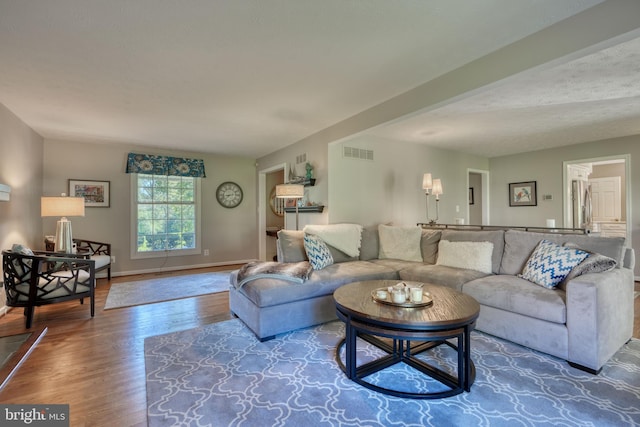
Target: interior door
x: 607, y: 205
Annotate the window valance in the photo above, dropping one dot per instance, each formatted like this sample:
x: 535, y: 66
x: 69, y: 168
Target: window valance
x: 165, y: 165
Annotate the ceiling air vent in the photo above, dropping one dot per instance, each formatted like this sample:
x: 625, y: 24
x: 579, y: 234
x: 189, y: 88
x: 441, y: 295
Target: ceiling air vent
x: 357, y: 153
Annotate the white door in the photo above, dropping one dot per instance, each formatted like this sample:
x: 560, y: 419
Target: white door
x: 605, y: 194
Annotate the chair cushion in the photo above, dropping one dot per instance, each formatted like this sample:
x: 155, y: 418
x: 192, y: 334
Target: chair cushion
x: 47, y: 288
x: 101, y: 260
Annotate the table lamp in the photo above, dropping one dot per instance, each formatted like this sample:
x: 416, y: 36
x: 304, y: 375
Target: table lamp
x: 432, y: 186
x: 290, y: 191
x: 63, y: 207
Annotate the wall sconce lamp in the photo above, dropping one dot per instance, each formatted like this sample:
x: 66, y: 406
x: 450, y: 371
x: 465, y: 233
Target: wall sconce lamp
x: 5, y: 193
x: 290, y: 191
x: 432, y: 186
x: 62, y: 207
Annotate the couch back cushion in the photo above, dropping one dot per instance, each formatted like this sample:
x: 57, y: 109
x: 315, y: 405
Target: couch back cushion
x: 519, y: 245
x: 291, y: 248
x: 494, y: 236
x: 369, y: 243
x: 429, y: 245
x: 400, y: 242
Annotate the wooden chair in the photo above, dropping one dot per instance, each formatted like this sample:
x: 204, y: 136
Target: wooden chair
x: 100, y: 252
x: 47, y: 278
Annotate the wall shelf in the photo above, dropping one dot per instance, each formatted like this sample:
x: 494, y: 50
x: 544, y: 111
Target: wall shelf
x: 304, y: 181
x: 305, y: 209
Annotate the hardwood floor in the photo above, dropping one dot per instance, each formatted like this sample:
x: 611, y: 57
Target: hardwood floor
x: 97, y: 365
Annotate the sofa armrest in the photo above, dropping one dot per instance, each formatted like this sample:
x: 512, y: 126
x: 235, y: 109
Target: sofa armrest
x: 599, y: 316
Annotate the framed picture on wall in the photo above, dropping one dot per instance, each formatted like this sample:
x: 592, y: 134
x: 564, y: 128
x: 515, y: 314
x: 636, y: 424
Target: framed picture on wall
x: 96, y: 193
x: 523, y: 194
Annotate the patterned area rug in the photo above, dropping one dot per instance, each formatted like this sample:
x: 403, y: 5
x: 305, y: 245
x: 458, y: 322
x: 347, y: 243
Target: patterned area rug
x: 165, y: 289
x: 221, y: 375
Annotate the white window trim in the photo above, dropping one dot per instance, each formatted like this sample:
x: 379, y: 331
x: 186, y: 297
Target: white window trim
x: 133, y: 244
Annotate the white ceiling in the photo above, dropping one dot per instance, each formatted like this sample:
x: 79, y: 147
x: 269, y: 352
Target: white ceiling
x: 248, y: 77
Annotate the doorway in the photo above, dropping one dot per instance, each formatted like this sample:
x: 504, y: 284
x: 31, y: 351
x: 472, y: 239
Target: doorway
x: 478, y: 203
x: 269, y: 221
x: 610, y: 194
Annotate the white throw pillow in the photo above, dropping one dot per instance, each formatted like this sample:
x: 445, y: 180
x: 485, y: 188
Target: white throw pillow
x: 469, y: 255
x: 399, y: 242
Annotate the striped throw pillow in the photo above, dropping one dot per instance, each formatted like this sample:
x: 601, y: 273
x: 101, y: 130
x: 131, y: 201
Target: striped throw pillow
x: 317, y: 252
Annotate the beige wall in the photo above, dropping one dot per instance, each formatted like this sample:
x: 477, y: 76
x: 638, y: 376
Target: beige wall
x: 21, y: 151
x: 229, y: 234
x: 546, y: 167
x: 389, y: 188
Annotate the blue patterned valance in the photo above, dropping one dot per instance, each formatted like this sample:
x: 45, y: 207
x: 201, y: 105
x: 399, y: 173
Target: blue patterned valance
x: 165, y: 165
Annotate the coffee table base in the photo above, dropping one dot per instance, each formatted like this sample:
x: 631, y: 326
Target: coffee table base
x: 400, y: 351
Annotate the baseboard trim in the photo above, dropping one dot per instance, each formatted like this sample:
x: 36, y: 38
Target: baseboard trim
x: 175, y: 268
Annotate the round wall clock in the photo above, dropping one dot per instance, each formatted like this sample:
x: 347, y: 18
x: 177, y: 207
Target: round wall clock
x: 229, y: 194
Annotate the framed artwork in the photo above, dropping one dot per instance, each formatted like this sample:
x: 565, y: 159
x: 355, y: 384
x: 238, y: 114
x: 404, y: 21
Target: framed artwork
x: 471, y: 201
x: 523, y: 194
x: 95, y: 193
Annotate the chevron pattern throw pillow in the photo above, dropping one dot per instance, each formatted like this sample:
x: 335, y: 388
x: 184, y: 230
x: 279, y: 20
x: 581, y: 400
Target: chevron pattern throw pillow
x: 317, y: 252
x: 550, y: 263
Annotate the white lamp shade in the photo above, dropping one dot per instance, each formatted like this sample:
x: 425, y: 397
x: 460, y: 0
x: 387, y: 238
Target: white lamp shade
x: 62, y: 206
x: 427, y: 182
x: 289, y: 191
x: 437, y: 187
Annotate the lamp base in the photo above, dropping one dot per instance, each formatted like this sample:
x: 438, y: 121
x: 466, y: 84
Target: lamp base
x: 64, y: 240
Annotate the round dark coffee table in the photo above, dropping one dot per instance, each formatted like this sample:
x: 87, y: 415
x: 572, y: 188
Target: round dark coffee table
x: 408, y: 332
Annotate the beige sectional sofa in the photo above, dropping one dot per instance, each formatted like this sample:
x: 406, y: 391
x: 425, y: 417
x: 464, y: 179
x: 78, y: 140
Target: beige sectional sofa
x: 584, y: 320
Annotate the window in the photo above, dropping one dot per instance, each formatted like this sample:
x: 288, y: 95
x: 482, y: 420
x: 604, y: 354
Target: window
x: 165, y: 215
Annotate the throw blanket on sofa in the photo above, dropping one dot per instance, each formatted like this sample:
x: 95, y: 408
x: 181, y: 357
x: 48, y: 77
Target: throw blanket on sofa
x: 344, y: 237
x: 296, y: 272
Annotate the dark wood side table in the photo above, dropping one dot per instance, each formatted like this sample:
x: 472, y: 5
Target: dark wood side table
x: 452, y: 315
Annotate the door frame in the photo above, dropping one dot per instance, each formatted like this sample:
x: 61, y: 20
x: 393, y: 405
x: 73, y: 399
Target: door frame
x: 566, y: 185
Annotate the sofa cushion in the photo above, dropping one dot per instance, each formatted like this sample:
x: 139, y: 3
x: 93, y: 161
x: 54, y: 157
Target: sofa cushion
x: 440, y: 275
x: 468, y: 255
x: 268, y: 292
x: 429, y: 245
x: 291, y: 244
x: 519, y: 245
x: 395, y: 264
x: 494, y: 236
x: 510, y: 293
x: 369, y: 243
x: 550, y: 263
x: 317, y: 252
x: 399, y: 242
